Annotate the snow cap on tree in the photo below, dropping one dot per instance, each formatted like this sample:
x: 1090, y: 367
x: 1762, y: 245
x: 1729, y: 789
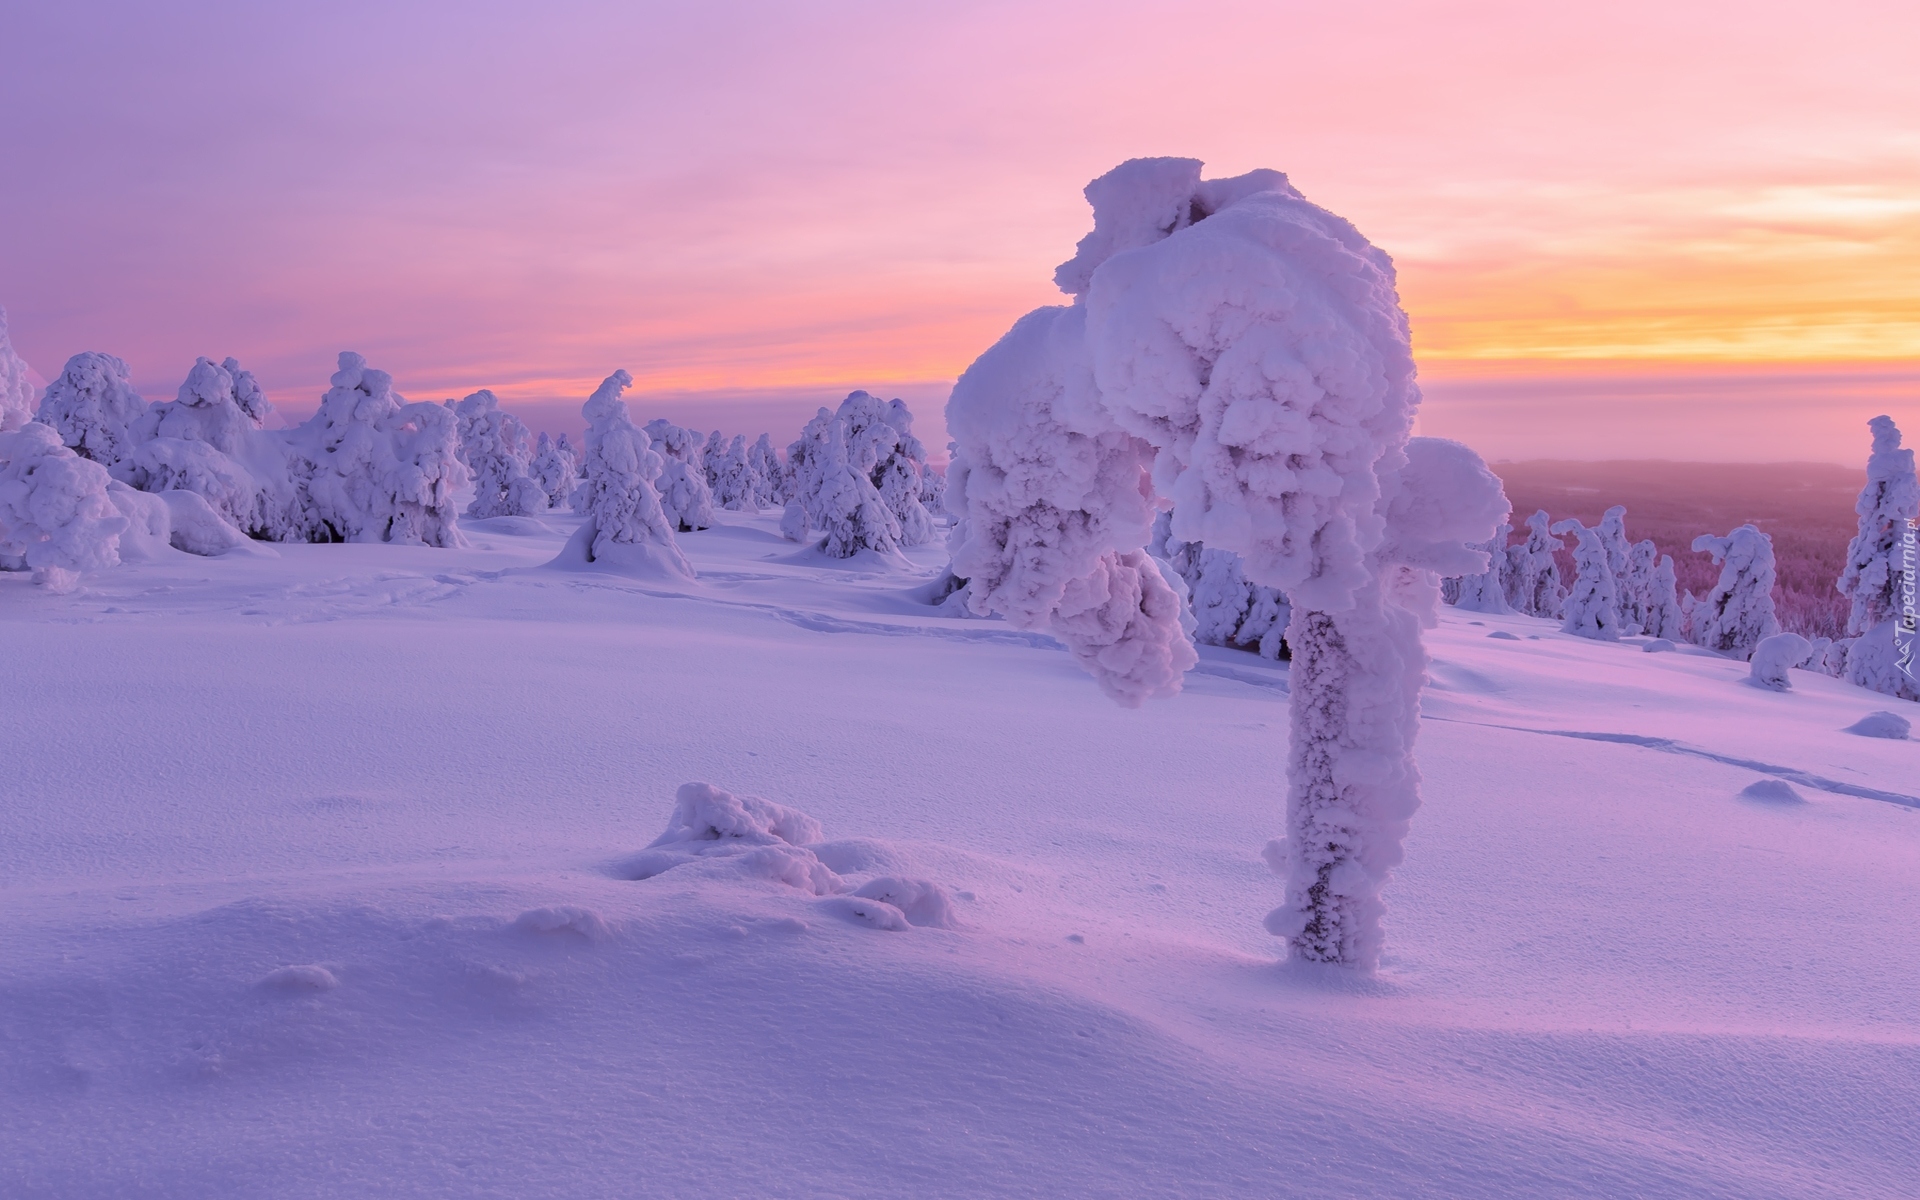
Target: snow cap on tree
x: 1738, y: 613
x: 54, y: 508
x: 16, y: 392
x: 91, y: 405
x: 1591, y: 609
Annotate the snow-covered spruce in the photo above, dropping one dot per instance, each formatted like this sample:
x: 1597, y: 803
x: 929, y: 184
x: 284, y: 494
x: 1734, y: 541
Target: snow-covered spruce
x: 1636, y: 587
x: 498, y: 450
x: 91, y: 405
x: 16, y: 393
x: 1251, y: 347
x: 682, y: 483
x: 1533, y: 576
x: 1591, y: 609
x: 1227, y: 609
x: 910, y: 487
x: 804, y: 456
x: 1738, y: 613
x: 207, y: 441
x: 1486, y: 592
x: 1878, y: 577
x: 735, y: 487
x: 711, y: 458
x: 844, y: 504
x: 554, y: 468
x: 1662, y: 616
x: 54, y: 510
x: 1612, y: 532
x: 1774, y: 656
x: 770, y: 476
x: 877, y: 434
x: 371, y: 467
x: 626, y: 529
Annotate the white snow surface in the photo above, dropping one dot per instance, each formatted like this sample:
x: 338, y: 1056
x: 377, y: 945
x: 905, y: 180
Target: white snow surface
x: 310, y: 871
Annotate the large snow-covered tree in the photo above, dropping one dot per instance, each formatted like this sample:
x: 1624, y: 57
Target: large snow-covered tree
x: 1738, y: 613
x: 1591, y: 608
x: 16, y: 392
x: 1879, y: 578
x: 1242, y: 353
x: 91, y: 405
x: 207, y: 440
x: 55, y: 513
x: 626, y: 528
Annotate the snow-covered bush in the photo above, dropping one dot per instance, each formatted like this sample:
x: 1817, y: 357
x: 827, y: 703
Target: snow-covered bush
x: 1533, y: 576
x: 208, y: 441
x: 498, y: 450
x: 1774, y: 656
x: 54, y: 510
x: 1738, y: 614
x: 371, y: 467
x: 1879, y: 580
x: 91, y: 405
x: 1591, y: 609
x: 1485, y: 592
x: 16, y: 393
x: 682, y: 483
x: 554, y: 468
x: 1251, y: 349
x: 772, y: 486
x: 626, y: 528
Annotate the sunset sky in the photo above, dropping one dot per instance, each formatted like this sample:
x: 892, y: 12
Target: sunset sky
x: 1632, y: 230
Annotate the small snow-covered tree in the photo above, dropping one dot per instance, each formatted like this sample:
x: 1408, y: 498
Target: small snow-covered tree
x: 16, y: 393
x: 1486, y: 592
x: 498, y: 450
x: 804, y: 480
x: 1250, y: 349
x: 1636, y: 586
x: 712, y: 456
x: 54, y: 509
x: 735, y: 487
x: 1227, y: 609
x: 626, y: 527
x: 1532, y: 573
x: 684, y: 493
x: 91, y: 405
x: 1738, y: 613
x: 370, y: 467
x: 1879, y: 578
x: 554, y: 470
x: 1591, y: 608
x: 1663, y: 617
x: 845, y: 506
x: 772, y: 488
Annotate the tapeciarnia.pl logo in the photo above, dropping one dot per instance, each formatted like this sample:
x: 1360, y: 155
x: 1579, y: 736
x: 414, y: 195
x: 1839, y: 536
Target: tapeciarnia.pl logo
x: 1907, y: 632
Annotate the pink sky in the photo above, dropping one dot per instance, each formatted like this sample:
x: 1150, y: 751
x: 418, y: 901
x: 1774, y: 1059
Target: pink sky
x: 1686, y: 231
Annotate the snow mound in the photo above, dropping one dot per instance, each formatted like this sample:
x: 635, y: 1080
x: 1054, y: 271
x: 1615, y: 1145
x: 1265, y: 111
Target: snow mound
x: 307, y: 978
x: 868, y: 911
x: 1657, y: 646
x: 561, y: 919
x: 1502, y: 635
x: 1772, y: 791
x: 1774, y: 657
x: 921, y: 902
x: 1882, y: 725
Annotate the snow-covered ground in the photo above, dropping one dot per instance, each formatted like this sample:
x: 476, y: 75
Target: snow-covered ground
x: 312, y: 884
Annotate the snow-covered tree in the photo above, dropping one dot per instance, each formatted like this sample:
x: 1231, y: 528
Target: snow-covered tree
x: 498, y: 450
x: 91, y: 405
x: 626, y: 527
x: 1879, y: 578
x: 16, y: 393
x: 804, y: 465
x: 1486, y: 592
x: 1662, y: 616
x: 712, y: 457
x: 1532, y: 573
x: 772, y: 486
x: 371, y: 467
x: 208, y: 441
x: 1227, y: 609
x: 54, y: 510
x: 878, y: 449
x: 1738, y: 613
x: 1591, y: 608
x: 1250, y: 348
x: 682, y: 484
x: 844, y: 504
x: 554, y: 469
x: 1636, y: 587
x: 734, y: 486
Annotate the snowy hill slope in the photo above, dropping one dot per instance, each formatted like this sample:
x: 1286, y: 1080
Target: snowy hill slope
x: 311, y: 870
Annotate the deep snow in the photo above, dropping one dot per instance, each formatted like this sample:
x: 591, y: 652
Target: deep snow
x: 311, y: 875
